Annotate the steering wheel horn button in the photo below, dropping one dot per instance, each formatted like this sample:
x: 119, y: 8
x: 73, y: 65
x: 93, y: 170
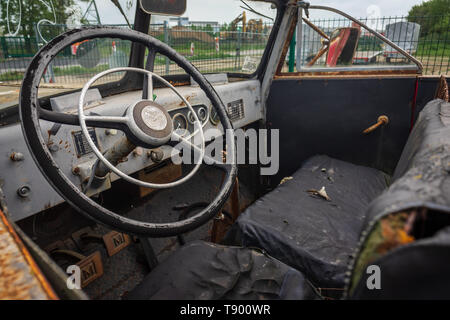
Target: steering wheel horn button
x: 154, y: 118
x: 151, y: 123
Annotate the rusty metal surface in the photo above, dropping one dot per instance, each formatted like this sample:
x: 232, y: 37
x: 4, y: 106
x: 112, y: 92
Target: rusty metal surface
x: 326, y: 77
x: 286, y: 46
x: 442, y: 90
x: 339, y: 74
x: 20, y: 277
x: 316, y: 28
x: 382, y: 120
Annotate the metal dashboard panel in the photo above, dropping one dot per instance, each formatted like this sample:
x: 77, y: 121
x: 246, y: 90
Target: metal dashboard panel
x: 39, y: 195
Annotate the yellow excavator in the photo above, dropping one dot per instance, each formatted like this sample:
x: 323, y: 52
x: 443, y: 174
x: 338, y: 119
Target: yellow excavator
x: 253, y: 26
x: 242, y: 17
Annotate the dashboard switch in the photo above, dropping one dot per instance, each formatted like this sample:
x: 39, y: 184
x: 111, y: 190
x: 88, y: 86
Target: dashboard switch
x: 156, y: 155
x: 137, y: 152
x: 110, y: 132
x: 16, y: 156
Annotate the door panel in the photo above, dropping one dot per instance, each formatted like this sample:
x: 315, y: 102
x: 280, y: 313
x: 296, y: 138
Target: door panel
x: 327, y: 116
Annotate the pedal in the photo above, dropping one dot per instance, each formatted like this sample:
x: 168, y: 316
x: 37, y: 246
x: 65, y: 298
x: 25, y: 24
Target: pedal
x: 67, y: 244
x: 116, y: 241
x: 85, y: 235
x: 57, y: 245
x: 91, y: 268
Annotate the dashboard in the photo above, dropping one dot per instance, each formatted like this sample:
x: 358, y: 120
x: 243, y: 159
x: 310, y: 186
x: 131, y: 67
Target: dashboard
x: 27, y: 192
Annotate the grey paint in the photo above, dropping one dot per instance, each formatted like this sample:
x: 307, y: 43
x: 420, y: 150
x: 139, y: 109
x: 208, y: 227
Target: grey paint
x: 14, y: 174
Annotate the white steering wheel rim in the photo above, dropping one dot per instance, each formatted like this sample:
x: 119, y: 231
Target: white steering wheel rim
x: 84, y: 129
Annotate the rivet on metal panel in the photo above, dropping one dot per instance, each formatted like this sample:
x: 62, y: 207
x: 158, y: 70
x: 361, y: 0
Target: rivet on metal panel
x: 24, y: 191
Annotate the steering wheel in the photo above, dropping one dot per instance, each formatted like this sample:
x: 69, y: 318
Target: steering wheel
x: 145, y: 123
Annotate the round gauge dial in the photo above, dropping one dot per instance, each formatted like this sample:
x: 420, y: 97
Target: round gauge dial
x: 191, y: 117
x: 202, y: 114
x: 180, y: 124
x: 214, y: 117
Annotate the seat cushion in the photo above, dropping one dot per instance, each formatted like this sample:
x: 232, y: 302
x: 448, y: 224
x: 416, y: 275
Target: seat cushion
x: 307, y: 232
x: 206, y: 271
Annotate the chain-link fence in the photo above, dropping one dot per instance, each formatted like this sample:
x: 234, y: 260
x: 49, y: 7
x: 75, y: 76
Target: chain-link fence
x: 425, y: 38
x: 222, y: 48
x: 210, y: 50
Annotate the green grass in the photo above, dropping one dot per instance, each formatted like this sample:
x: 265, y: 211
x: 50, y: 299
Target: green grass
x: 435, y: 44
x: 11, y: 76
x: 433, y: 50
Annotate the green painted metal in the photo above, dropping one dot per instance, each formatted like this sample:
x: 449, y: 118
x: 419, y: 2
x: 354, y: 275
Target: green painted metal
x: 292, y: 53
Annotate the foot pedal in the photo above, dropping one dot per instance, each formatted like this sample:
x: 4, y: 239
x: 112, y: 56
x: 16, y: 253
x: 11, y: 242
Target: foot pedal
x: 85, y: 236
x: 115, y: 242
x: 91, y: 268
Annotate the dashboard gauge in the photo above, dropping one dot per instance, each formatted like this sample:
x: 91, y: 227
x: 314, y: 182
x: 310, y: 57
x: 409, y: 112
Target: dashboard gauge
x: 191, y: 117
x: 202, y: 114
x: 180, y: 124
x: 214, y: 117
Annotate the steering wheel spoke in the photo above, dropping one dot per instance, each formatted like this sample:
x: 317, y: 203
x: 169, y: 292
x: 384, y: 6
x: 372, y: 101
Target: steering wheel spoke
x: 147, y: 89
x: 102, y: 121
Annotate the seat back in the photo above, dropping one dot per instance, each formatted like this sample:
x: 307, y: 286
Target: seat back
x: 407, y: 234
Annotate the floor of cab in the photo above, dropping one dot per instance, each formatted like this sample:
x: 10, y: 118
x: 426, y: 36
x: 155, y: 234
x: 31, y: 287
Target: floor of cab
x: 124, y: 270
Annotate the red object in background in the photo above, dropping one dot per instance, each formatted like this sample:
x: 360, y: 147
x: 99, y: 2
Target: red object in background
x: 75, y: 46
x: 337, y: 44
x: 342, y: 47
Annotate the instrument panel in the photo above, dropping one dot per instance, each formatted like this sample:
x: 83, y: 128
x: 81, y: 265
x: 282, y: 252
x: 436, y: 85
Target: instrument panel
x: 183, y: 119
x: 27, y: 192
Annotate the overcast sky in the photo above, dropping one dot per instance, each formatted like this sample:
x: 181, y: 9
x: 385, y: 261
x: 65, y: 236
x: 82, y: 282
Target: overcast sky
x: 226, y: 10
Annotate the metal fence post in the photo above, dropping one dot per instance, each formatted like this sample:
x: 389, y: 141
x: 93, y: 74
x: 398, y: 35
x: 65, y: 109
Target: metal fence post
x: 4, y: 47
x: 237, y: 61
x: 166, y: 40
x: 292, y: 53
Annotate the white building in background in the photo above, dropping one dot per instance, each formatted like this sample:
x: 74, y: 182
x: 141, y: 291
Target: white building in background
x: 183, y: 21
x: 173, y: 21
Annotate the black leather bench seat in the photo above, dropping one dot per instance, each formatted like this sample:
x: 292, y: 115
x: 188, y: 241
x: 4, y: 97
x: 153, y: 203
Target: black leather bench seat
x: 307, y: 232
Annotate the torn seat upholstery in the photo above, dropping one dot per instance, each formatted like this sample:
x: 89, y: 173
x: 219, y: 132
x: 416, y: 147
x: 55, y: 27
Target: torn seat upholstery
x: 305, y: 231
x: 421, y: 189
x: 206, y: 271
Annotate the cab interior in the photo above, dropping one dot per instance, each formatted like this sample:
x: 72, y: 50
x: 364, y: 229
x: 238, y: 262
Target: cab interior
x: 322, y: 204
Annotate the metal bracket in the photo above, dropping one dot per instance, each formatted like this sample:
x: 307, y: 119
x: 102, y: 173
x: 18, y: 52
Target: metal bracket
x: 304, y: 5
x: 150, y: 255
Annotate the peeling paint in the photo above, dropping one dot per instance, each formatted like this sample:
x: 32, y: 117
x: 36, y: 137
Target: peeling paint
x: 20, y: 277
